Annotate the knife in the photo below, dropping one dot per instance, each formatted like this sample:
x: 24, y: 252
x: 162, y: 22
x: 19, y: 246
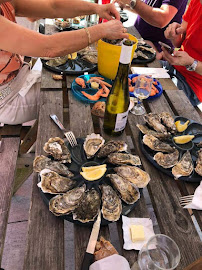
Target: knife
x: 89, y: 255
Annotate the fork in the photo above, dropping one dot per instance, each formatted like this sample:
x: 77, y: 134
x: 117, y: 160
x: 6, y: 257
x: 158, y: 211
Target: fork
x: 68, y: 134
x: 185, y: 200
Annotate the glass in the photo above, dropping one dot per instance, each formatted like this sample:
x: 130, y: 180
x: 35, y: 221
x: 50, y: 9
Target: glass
x: 160, y: 253
x: 142, y: 90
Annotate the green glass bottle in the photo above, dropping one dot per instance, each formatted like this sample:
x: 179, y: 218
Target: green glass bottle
x: 116, y: 112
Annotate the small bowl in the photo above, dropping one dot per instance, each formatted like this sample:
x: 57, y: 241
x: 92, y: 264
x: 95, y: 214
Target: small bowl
x: 184, y: 147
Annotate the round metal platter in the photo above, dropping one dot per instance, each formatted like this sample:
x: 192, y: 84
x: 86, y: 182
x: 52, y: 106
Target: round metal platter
x: 78, y: 160
x: 193, y: 128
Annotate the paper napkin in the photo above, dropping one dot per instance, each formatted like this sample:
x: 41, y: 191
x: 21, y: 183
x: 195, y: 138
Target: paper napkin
x: 110, y: 263
x: 154, y: 72
x: 148, y: 231
x: 197, y: 199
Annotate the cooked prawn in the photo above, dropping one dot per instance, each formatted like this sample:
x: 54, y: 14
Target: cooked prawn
x: 91, y: 97
x: 80, y: 82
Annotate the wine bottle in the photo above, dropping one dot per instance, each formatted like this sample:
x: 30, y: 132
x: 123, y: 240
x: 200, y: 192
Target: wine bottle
x: 116, y: 112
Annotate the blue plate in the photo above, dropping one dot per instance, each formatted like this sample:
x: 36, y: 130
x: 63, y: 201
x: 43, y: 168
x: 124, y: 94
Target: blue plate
x: 158, y: 86
x: 76, y: 89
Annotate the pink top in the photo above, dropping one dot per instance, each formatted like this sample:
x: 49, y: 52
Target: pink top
x: 10, y: 63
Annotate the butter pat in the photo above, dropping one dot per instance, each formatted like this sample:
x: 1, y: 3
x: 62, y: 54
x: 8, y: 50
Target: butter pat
x: 137, y: 233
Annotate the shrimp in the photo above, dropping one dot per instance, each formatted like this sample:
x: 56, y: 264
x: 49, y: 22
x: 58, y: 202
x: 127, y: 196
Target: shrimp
x: 105, y: 91
x: 80, y: 82
x: 91, y: 97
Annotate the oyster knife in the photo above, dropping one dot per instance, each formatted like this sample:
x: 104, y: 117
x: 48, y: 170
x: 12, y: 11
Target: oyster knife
x: 89, y: 255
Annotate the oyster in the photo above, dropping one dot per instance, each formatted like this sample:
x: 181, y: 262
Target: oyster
x: 88, y: 207
x: 66, y: 203
x: 145, y: 130
x: 123, y: 158
x: 157, y: 145
x: 52, y: 182
x: 129, y: 193
x: 145, y: 48
x: 168, y: 121
x: 57, y: 61
x: 140, y: 54
x: 167, y: 160
x: 42, y: 162
x: 92, y: 144
x: 57, y: 149
x: 198, y: 168
x: 184, y: 167
x: 199, y: 144
x: 111, y: 147
x: 133, y: 174
x: 111, y: 203
x: 154, y: 121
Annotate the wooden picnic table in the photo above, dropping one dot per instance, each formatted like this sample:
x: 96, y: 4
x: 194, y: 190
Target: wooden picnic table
x: 46, y: 233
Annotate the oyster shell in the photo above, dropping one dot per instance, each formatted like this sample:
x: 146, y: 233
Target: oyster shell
x: 184, y: 167
x: 111, y: 147
x: 88, y: 207
x: 154, y: 121
x: 92, y: 144
x: 66, y: 203
x: 157, y: 145
x: 141, y: 54
x: 168, y: 121
x: 123, y: 158
x: 52, y: 182
x: 57, y: 149
x: 42, y: 162
x: 167, y: 160
x: 199, y: 144
x: 145, y: 130
x: 57, y: 61
x: 198, y: 168
x: 129, y: 193
x: 133, y: 174
x: 145, y: 48
x: 111, y: 203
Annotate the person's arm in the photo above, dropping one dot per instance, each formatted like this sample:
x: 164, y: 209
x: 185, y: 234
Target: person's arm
x: 62, y: 9
x: 17, y: 39
x: 176, y: 33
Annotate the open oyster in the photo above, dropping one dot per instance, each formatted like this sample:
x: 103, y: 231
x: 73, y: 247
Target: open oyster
x: 66, y: 203
x: 168, y: 121
x: 129, y: 193
x: 52, y: 182
x: 111, y: 203
x: 57, y: 149
x: 157, y: 145
x: 88, y: 207
x: 198, y: 168
x: 92, y: 144
x: 199, y: 144
x: 57, y: 61
x: 154, y: 121
x: 42, y: 162
x: 167, y: 160
x: 184, y: 167
x: 145, y: 130
x: 111, y: 147
x: 133, y: 174
x: 123, y: 158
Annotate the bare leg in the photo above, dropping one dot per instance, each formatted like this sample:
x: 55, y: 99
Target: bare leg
x: 159, y: 55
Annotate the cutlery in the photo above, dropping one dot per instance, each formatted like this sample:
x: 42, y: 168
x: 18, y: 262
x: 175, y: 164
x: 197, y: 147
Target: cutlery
x: 185, y: 200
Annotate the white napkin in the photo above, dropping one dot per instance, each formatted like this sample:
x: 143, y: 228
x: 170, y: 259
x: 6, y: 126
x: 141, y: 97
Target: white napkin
x: 197, y: 199
x: 148, y: 231
x: 113, y: 262
x: 154, y: 72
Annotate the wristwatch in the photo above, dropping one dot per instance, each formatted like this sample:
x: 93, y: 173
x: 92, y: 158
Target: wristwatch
x: 193, y: 66
x: 133, y: 3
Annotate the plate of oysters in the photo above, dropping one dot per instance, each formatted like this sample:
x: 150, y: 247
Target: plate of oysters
x: 173, y: 145
x: 144, y: 53
x: 76, y: 182
x: 69, y: 24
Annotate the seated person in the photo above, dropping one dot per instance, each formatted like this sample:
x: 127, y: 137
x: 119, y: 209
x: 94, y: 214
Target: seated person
x: 186, y: 63
x: 20, y: 87
x: 153, y: 17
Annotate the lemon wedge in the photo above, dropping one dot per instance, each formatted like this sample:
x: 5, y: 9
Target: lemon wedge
x: 72, y: 56
x: 183, y: 139
x: 181, y: 127
x: 94, y: 174
x: 91, y: 168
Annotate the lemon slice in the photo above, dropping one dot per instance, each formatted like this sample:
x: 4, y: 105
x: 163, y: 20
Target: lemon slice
x: 91, y: 168
x: 183, y: 139
x: 181, y: 127
x: 94, y: 174
x: 72, y: 56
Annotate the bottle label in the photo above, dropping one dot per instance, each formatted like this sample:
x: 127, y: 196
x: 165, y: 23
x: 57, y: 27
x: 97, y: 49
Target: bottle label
x: 121, y: 120
x: 125, y: 57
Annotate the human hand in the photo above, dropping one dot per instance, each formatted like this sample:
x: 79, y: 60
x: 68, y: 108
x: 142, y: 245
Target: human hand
x: 122, y: 3
x: 173, y: 31
x: 114, y: 30
x: 179, y: 58
x: 108, y: 11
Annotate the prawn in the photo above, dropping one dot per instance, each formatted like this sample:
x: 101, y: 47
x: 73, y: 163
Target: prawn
x: 92, y: 97
x: 80, y: 82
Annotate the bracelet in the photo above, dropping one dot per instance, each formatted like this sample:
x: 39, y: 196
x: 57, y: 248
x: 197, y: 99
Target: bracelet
x: 88, y: 34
